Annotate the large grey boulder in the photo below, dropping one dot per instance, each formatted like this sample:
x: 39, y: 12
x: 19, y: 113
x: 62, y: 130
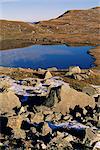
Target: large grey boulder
x: 69, y: 98
x: 8, y: 101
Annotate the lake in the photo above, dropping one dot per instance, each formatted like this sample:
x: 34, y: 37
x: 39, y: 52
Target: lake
x: 45, y: 56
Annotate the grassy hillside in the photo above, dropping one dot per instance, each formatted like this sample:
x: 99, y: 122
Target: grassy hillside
x: 75, y: 27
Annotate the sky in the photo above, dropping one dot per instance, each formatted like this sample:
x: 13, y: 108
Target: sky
x: 36, y: 10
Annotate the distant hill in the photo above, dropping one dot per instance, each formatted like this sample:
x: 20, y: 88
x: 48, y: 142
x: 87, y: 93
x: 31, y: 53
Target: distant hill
x: 74, y: 27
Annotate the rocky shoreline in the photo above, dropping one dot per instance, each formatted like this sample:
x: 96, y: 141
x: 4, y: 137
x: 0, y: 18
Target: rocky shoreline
x: 95, y: 52
x: 49, y: 109
x: 73, y: 28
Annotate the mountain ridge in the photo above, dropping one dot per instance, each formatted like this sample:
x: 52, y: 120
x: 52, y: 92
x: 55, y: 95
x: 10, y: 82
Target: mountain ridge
x: 74, y: 27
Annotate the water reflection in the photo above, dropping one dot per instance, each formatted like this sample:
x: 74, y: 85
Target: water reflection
x: 45, y: 56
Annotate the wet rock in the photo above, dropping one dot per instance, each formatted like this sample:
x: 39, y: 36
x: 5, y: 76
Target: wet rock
x: 75, y: 69
x: 9, y: 101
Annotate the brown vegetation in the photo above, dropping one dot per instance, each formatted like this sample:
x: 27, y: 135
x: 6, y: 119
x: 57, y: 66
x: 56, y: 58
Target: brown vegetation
x: 75, y: 27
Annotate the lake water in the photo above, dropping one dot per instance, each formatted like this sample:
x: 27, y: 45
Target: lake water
x: 45, y: 56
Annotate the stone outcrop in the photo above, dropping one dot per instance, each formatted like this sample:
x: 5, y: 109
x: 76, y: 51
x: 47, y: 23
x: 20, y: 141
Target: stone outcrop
x: 9, y: 101
x: 70, y: 98
x: 75, y: 69
x: 48, y: 75
x: 48, y: 113
x: 52, y: 92
x: 15, y: 124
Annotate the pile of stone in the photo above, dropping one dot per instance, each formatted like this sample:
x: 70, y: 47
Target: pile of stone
x: 47, y: 114
x: 46, y: 129
x: 76, y: 73
x: 51, y: 92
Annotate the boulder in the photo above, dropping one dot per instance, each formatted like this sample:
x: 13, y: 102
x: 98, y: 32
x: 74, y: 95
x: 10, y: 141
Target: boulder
x: 75, y: 69
x: 49, y: 117
x: 67, y: 117
x: 46, y: 129
x: 39, y: 117
x: 69, y: 138
x: 61, y: 143
x: 15, y: 124
x: 52, y: 69
x: 69, y: 74
x: 78, y: 77
x: 92, y: 136
x: 8, y: 101
x: 97, y: 146
x: 48, y: 75
x: 57, y: 116
x: 85, y: 76
x: 22, y: 110
x: 69, y: 98
x: 43, y: 146
x: 89, y: 90
x: 60, y: 134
